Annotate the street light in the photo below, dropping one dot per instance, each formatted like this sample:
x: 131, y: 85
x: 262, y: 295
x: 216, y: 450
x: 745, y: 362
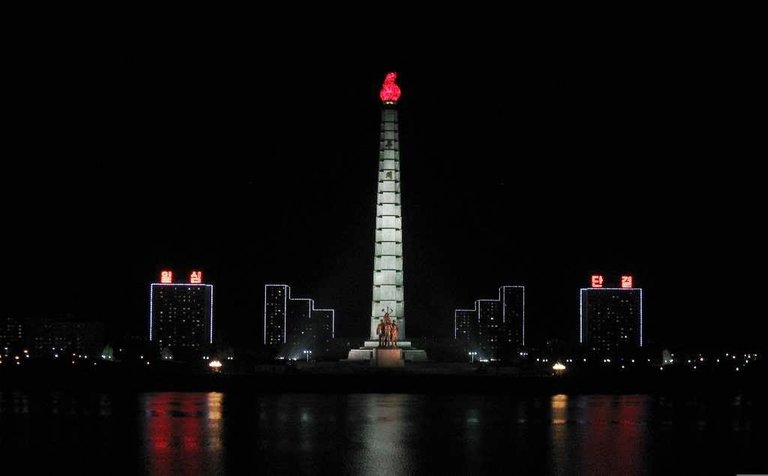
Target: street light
x: 472, y: 356
x: 307, y: 353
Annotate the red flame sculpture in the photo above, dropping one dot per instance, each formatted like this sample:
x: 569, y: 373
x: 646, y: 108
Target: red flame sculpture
x: 390, y: 92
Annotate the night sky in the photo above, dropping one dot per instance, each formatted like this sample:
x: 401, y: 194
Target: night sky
x: 535, y: 162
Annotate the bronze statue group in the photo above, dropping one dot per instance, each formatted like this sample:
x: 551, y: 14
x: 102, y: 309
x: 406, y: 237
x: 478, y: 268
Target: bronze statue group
x: 387, y: 331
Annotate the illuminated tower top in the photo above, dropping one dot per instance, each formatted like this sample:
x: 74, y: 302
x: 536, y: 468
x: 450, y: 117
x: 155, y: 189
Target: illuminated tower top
x: 390, y: 92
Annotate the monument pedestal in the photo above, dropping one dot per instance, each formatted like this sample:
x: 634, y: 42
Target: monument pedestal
x: 387, y: 357
x: 371, y: 346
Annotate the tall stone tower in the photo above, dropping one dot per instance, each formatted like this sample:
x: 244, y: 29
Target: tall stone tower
x: 388, y: 296
x: 388, y: 291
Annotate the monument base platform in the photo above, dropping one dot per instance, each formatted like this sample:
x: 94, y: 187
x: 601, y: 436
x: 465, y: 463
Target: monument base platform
x: 415, y: 355
x: 388, y: 357
x: 367, y: 351
x: 360, y: 354
x: 371, y: 344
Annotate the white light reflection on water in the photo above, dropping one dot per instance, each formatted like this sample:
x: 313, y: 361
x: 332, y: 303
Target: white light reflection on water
x: 383, y: 435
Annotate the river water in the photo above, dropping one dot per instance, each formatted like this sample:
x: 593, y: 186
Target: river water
x: 170, y: 433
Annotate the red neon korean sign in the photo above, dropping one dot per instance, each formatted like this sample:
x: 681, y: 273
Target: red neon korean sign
x: 597, y: 281
x: 626, y: 281
x: 196, y: 277
x: 166, y: 277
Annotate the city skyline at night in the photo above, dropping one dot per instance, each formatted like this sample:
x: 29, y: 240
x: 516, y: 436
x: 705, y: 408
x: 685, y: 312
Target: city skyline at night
x: 539, y: 179
x: 503, y: 244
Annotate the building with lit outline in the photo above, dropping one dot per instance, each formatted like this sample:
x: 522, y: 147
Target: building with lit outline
x: 611, y: 318
x: 294, y: 325
x: 181, y: 314
x: 494, y: 328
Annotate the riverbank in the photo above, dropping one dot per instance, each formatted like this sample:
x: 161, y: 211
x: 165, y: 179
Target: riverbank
x: 346, y: 378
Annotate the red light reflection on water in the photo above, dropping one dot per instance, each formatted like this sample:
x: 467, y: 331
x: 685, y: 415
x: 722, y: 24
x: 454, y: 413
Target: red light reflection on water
x: 616, y: 433
x: 182, y: 432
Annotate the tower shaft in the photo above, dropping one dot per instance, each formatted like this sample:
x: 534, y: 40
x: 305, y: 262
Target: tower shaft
x: 388, y: 288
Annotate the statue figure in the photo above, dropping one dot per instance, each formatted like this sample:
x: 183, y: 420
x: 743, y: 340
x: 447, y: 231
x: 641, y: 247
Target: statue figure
x: 394, y: 333
x: 380, y: 332
x: 387, y: 328
x: 387, y: 333
x: 386, y: 316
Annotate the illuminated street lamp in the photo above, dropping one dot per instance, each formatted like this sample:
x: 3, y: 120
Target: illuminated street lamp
x: 215, y: 365
x: 472, y: 356
x: 558, y: 368
x: 307, y: 353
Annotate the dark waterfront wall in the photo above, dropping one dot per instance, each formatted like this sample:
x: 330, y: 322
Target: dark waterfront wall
x: 438, y: 379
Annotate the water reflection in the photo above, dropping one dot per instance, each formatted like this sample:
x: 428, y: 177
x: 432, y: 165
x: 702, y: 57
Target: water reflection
x: 384, y: 434
x: 559, y: 437
x: 599, y: 434
x: 182, y: 433
x: 241, y: 433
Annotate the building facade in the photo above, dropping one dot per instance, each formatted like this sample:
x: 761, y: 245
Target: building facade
x: 465, y: 327
x: 611, y: 321
x: 494, y: 328
x: 181, y: 314
x: 11, y: 335
x: 276, y: 314
x: 56, y: 335
x: 293, y: 325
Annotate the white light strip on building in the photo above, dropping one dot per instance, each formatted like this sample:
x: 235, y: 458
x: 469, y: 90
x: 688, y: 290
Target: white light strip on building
x: 180, y: 284
x: 265, y: 314
x: 210, y: 341
x: 611, y: 289
x: 581, y: 316
x: 523, y: 315
x: 641, y: 317
x: 151, y: 300
x: 285, y: 313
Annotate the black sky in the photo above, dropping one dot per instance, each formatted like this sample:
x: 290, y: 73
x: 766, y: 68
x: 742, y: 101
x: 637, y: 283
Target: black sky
x: 532, y: 160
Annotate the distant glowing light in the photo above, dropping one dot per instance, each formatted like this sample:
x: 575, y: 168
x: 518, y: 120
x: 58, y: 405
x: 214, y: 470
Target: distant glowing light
x: 626, y: 281
x: 597, y: 281
x: 558, y: 366
x: 196, y: 277
x: 390, y: 92
x: 166, y: 277
x: 214, y: 364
